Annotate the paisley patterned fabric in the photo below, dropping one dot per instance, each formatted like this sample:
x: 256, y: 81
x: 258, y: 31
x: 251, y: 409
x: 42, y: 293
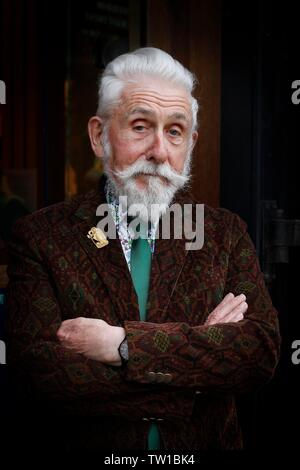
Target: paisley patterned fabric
x: 181, y: 374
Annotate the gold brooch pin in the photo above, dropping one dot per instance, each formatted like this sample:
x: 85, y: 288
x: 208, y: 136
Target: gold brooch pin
x: 97, y: 237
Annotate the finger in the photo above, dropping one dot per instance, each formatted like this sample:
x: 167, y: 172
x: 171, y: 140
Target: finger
x: 213, y: 316
x: 229, y: 319
x: 221, y: 311
x: 61, y: 331
x: 232, y: 316
x: 236, y: 314
x: 235, y: 318
x: 227, y: 298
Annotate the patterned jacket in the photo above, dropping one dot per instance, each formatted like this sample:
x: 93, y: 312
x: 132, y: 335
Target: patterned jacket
x: 181, y: 374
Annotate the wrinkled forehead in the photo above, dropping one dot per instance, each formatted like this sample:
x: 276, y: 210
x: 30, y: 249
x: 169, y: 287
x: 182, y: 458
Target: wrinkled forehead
x: 156, y: 96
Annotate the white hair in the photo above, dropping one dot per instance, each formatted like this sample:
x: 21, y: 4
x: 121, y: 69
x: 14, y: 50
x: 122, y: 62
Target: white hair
x: 142, y: 62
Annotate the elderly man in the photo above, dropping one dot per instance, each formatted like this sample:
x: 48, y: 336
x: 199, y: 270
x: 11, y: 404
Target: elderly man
x: 141, y: 342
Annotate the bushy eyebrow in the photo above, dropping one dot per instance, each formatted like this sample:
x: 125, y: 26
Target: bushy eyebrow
x: 139, y: 110
x: 147, y: 112
x: 178, y: 117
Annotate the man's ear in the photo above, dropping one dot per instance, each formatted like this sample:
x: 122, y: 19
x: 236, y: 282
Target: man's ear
x: 194, y: 138
x: 95, y: 129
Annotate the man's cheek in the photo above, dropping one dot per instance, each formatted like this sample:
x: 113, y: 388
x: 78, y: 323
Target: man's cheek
x: 126, y: 155
x: 177, y: 160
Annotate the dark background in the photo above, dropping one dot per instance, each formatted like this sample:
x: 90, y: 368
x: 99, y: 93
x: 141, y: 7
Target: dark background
x: 260, y: 148
x: 246, y: 56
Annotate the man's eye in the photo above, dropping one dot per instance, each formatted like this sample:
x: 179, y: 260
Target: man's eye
x: 139, y: 128
x: 174, y: 132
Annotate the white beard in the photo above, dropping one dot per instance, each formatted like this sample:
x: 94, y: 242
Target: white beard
x: 157, y: 195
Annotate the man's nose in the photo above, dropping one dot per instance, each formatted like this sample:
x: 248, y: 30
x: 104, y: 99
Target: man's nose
x: 158, y: 150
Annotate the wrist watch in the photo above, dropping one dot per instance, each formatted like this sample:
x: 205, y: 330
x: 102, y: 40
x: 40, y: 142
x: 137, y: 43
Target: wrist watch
x: 123, y: 351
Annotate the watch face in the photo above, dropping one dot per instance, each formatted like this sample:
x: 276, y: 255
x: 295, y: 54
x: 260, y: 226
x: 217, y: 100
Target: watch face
x: 124, y: 350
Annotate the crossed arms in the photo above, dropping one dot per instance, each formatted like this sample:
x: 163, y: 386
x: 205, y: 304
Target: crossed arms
x: 77, y: 361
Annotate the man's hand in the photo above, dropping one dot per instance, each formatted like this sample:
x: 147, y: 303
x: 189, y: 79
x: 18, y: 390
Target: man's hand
x: 231, y: 309
x: 93, y: 338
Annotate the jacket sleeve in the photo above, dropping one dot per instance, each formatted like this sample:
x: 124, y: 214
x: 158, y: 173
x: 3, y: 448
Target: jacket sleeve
x: 39, y: 364
x: 231, y: 357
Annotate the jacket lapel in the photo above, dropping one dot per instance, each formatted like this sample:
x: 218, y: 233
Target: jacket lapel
x: 170, y: 259
x: 109, y: 261
x: 167, y: 264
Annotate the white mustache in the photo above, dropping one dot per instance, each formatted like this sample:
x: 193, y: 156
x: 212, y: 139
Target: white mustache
x: 148, y: 168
